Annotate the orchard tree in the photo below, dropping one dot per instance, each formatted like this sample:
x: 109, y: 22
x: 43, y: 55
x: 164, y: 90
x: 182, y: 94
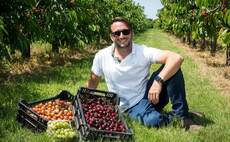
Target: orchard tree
x: 4, y: 50
x: 199, y: 20
x: 63, y: 23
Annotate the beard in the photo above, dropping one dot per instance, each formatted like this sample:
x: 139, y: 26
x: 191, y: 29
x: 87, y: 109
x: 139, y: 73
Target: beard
x: 123, y: 44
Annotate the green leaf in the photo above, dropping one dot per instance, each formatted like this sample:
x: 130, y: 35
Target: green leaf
x: 226, y: 38
x: 227, y: 17
x: 198, y: 3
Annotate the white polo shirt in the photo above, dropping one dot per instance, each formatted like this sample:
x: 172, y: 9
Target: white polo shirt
x: 128, y: 78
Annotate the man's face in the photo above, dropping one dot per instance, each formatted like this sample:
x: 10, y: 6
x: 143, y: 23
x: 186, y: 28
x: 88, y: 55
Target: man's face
x: 121, y: 35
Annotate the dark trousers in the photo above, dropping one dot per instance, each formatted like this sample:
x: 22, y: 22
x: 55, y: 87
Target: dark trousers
x: 173, y: 90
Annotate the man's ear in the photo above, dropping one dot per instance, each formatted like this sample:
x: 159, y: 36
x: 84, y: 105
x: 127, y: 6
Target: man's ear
x: 111, y: 37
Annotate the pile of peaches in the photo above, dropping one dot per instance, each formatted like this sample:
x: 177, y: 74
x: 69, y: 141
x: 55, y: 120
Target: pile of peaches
x: 54, y: 110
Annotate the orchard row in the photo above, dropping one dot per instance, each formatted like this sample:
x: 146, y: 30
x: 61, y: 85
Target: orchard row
x: 69, y: 23
x: 198, y: 21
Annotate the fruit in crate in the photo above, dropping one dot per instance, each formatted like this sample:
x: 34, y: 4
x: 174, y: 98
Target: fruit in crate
x: 54, y: 110
x: 60, y: 130
x: 102, y: 115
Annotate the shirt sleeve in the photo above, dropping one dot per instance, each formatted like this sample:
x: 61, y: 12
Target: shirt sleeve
x: 152, y: 54
x: 97, y: 65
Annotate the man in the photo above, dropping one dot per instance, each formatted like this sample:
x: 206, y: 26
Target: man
x: 126, y: 65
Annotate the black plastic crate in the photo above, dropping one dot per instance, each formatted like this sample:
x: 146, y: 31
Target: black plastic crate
x: 32, y: 120
x: 90, y: 133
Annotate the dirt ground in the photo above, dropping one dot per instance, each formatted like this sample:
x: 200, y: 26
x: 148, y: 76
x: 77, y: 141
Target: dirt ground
x: 40, y: 61
x: 214, y: 66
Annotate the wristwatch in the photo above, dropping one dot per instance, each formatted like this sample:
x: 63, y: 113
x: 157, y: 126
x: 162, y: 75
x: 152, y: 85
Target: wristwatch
x: 159, y: 79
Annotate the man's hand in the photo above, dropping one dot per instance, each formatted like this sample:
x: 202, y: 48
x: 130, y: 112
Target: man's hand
x: 154, y: 92
x: 93, y: 81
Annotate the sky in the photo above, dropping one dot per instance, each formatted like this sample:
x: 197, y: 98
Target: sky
x: 150, y: 7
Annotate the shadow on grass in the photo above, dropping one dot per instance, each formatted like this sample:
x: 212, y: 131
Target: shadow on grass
x: 26, y: 86
x: 58, y: 74
x: 202, y: 120
x: 20, y: 85
x: 197, y: 120
x: 9, y: 97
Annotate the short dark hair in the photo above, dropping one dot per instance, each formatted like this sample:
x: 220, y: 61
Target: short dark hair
x: 123, y: 20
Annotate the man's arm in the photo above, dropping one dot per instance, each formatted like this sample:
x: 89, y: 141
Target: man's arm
x: 93, y: 81
x: 172, y: 62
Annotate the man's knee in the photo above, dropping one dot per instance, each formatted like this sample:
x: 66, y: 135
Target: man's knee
x: 154, y: 119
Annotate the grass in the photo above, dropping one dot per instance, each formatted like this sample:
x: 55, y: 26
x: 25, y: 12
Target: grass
x: 201, y: 96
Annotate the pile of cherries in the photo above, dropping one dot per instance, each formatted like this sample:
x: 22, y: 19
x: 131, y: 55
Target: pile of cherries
x: 101, y: 114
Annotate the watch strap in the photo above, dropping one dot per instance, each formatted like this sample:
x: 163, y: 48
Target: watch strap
x: 159, y: 79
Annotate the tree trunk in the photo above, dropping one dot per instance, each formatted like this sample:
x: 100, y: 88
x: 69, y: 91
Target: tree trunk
x: 26, y: 52
x: 213, y: 46
x: 193, y: 43
x: 55, y: 46
x: 203, y: 43
x: 189, y: 38
x: 98, y: 42
x: 183, y: 39
x: 228, y: 56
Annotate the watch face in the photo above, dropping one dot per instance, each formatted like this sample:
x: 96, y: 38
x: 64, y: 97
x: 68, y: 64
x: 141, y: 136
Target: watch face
x: 159, y: 79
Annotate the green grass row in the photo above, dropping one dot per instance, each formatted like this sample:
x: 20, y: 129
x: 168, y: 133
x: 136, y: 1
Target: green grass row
x: 201, y: 95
